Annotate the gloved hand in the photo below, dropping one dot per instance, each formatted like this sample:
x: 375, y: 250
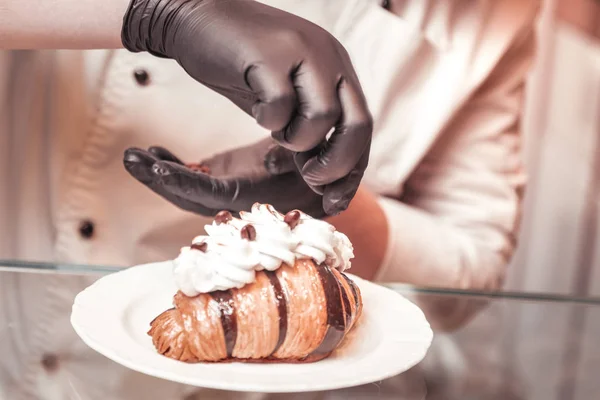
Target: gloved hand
x: 234, y: 180
x: 291, y: 75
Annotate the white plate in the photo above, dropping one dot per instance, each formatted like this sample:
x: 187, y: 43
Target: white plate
x: 113, y: 315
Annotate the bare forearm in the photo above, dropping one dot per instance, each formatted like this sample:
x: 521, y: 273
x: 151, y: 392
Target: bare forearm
x: 61, y: 24
x: 365, y: 224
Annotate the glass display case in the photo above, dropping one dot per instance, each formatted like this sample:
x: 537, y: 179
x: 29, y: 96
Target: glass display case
x: 486, y: 345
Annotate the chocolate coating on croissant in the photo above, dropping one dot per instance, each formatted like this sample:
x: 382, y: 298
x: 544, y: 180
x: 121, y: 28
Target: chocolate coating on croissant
x: 336, y: 320
x: 228, y: 318
x: 355, y: 294
x: 281, y: 308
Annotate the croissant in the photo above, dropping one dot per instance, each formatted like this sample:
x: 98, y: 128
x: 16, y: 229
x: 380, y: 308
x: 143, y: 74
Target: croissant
x: 294, y: 314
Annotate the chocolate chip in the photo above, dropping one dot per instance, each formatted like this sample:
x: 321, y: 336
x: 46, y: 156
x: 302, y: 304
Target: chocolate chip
x: 292, y: 218
x: 248, y: 232
x: 199, y: 246
x: 223, y: 217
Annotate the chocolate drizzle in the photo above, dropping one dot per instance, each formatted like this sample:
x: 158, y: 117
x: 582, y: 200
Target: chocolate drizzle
x: 281, y: 307
x: 347, y: 308
x: 226, y: 305
x: 335, y: 314
x: 354, y: 291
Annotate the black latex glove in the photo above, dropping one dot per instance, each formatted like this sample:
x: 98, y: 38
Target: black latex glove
x: 234, y: 180
x: 291, y: 75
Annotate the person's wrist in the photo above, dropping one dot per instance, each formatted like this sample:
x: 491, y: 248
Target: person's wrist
x: 365, y: 223
x: 147, y: 26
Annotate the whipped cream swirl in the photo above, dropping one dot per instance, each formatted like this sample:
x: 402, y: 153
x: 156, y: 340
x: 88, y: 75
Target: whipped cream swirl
x: 263, y: 239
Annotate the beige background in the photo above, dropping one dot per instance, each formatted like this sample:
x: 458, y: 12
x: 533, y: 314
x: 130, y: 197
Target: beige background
x: 562, y: 124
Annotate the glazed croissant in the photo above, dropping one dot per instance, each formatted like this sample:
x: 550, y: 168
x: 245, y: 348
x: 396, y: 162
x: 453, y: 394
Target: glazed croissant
x: 292, y: 314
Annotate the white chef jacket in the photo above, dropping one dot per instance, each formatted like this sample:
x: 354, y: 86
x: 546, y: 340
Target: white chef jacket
x: 443, y: 80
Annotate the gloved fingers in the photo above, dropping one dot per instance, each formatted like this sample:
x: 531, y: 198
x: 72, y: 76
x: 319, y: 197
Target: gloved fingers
x: 185, y: 204
x: 163, y: 154
x: 276, y: 98
x: 318, y: 110
x: 220, y: 165
x: 351, y: 74
x: 285, y: 192
x: 300, y: 159
x: 195, y: 186
x: 241, y: 162
x: 338, y: 195
x: 139, y: 164
x: 241, y: 98
x: 279, y: 161
x: 200, y: 193
x: 348, y: 142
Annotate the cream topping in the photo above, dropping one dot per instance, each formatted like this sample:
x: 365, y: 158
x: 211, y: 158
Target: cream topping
x: 235, y: 248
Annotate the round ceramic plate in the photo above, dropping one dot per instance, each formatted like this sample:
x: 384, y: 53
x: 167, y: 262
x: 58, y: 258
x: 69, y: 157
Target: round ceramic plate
x: 113, y: 315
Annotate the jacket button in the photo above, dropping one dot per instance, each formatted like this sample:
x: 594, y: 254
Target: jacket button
x: 50, y: 362
x: 142, y: 77
x: 86, y: 229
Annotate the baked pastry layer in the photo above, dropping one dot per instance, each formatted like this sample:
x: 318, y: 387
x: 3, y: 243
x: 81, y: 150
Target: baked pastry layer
x: 293, y: 314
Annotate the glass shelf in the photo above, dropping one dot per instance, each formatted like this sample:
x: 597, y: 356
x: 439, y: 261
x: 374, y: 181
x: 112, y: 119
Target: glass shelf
x: 487, y: 345
x: 92, y: 269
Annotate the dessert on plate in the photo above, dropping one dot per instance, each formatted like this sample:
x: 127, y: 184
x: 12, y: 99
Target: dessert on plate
x: 265, y: 287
